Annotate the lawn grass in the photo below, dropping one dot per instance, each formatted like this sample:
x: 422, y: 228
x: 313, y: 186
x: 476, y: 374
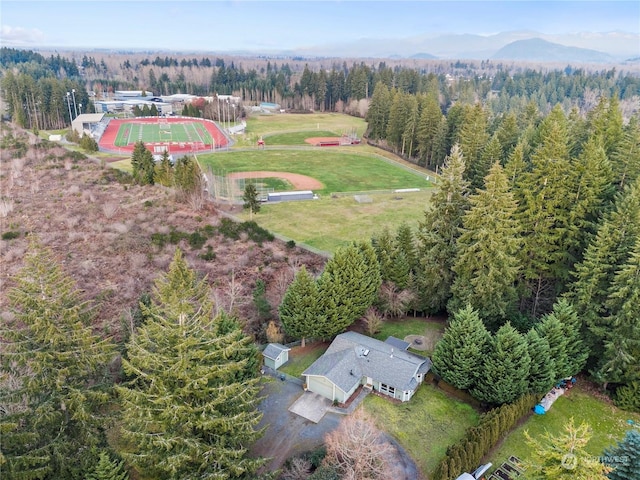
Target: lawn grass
x: 338, y: 171
x: 317, y: 122
x: 328, y: 223
x: 301, y: 358
x: 426, y: 425
x: 608, y: 424
x: 412, y: 326
x: 296, y: 138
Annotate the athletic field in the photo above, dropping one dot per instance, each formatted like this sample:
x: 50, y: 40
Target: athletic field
x: 177, y: 134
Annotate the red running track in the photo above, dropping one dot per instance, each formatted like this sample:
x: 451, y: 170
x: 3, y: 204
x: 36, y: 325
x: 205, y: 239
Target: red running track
x: 107, y: 142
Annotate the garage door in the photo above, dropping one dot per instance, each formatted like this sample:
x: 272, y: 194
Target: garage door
x: 321, y: 386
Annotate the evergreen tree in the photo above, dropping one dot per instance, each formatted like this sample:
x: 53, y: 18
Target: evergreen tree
x: 378, y: 113
x: 108, y: 469
x: 621, y: 360
x: 427, y: 134
x: 542, y: 374
x: 164, y: 170
x: 53, y: 375
x: 458, y: 356
x: 505, y: 369
x: 625, y: 159
x: 550, y: 329
x: 487, y: 264
x: 473, y: 140
x: 189, y: 410
x: 251, y: 200
x: 563, y: 456
x: 508, y: 134
x: 142, y: 164
x: 595, y: 275
x: 438, y: 234
x: 545, y: 216
x: 624, y: 458
x: 347, y: 287
x: 299, y: 310
x: 187, y: 175
x: 516, y: 164
x: 384, y: 247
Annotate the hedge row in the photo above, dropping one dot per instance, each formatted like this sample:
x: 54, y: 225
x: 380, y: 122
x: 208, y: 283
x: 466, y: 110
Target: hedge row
x: 465, y: 456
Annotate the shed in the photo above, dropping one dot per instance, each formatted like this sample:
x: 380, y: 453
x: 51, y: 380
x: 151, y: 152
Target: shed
x: 275, y: 355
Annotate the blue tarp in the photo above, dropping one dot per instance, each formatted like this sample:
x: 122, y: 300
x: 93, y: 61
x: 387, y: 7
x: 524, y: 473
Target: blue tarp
x: 539, y: 410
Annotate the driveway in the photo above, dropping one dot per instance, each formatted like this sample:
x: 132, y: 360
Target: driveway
x: 287, y: 433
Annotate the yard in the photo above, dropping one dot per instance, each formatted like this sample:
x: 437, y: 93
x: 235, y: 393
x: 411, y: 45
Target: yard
x: 608, y: 424
x: 431, y: 330
x: 301, y: 358
x: 426, y: 425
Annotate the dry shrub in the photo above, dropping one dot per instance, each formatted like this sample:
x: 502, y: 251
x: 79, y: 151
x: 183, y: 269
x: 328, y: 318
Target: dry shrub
x: 13, y: 253
x: 6, y: 206
x: 17, y: 165
x: 76, y: 237
x: 88, y: 196
x: 298, y: 469
x: 73, y: 190
x: 394, y: 302
x: 119, y: 227
x: 68, y: 164
x: 358, y: 450
x: 110, y: 209
x: 137, y: 260
x: 72, y: 222
x: 273, y: 333
x: 372, y: 321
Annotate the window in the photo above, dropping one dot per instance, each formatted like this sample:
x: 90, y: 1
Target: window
x: 391, y: 391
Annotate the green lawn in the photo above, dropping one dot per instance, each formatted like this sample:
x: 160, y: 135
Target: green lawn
x: 607, y: 422
x: 426, y: 425
x: 301, y: 359
x: 328, y: 223
x: 296, y: 138
x: 412, y: 326
x: 338, y: 171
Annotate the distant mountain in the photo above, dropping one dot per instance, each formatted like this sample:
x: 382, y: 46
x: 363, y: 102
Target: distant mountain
x: 538, y: 50
x: 423, y: 56
x: 612, y: 46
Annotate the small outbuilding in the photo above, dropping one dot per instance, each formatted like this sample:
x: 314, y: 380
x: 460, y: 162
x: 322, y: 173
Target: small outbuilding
x: 275, y: 355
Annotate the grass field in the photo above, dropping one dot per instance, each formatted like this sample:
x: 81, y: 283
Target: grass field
x: 132, y: 132
x: 424, y: 426
x: 607, y: 422
x: 337, y: 170
x: 301, y: 359
x: 296, y: 138
x: 328, y: 223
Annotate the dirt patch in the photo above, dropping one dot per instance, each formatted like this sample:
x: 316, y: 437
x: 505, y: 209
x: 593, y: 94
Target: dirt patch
x: 329, y: 141
x: 300, y: 182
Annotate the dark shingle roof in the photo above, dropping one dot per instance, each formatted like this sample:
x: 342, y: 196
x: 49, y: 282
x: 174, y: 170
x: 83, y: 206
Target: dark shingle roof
x: 397, y: 343
x: 273, y: 350
x: 352, y: 356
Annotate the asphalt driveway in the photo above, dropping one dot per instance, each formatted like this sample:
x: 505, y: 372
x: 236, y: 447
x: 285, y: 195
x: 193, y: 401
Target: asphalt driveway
x: 288, y: 434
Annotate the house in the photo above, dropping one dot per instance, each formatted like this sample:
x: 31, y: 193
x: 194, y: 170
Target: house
x: 354, y: 359
x: 275, y: 355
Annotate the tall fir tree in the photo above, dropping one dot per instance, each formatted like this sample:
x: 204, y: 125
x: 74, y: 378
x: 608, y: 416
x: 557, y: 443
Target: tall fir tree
x: 189, y: 410
x: 53, y: 373
x: 378, y: 113
x: 428, y: 126
x: 625, y: 159
x: 620, y: 362
x: 458, y: 356
x: 542, y: 373
x: 438, y: 234
x: 108, y: 469
x: 473, y: 140
x: 505, y: 368
x: 545, y: 204
x: 300, y: 308
x: 347, y: 287
x: 487, y: 264
x: 594, y: 276
x: 164, y: 170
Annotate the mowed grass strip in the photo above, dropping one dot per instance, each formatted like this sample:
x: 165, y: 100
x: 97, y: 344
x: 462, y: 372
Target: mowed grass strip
x: 328, y: 223
x: 295, y: 138
x: 426, y: 425
x: 338, y: 171
x: 608, y: 424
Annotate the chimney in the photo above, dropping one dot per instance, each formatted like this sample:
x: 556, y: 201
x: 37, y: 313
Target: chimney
x: 391, y: 353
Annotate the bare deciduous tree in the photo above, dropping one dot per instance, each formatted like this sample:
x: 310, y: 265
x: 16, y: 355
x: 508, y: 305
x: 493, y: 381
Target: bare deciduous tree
x: 372, y: 321
x: 358, y: 450
x: 298, y: 469
x: 395, y: 303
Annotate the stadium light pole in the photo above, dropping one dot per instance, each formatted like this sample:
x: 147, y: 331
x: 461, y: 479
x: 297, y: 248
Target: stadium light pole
x: 69, y: 105
x: 73, y: 94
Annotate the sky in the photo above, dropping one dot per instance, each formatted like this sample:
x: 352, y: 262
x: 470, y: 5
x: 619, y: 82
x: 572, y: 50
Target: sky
x: 236, y: 25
